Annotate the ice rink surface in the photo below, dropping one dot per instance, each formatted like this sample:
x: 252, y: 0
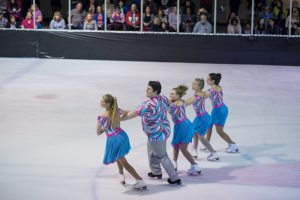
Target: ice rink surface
x: 49, y: 149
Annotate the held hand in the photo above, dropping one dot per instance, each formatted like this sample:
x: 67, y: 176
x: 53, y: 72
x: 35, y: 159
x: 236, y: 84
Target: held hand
x: 124, y: 117
x: 100, y: 131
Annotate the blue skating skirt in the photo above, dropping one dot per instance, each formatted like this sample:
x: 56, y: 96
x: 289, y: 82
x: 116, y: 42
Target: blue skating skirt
x: 117, y: 146
x: 201, y: 123
x: 219, y: 115
x: 183, y: 133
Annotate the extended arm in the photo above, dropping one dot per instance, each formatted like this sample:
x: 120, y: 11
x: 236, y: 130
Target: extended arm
x: 129, y: 115
x: 206, y: 94
x: 189, y: 101
x: 100, y: 130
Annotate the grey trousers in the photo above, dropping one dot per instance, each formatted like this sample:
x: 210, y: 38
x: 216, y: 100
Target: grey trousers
x: 157, y: 155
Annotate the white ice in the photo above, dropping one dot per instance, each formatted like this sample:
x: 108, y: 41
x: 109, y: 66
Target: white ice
x: 49, y: 149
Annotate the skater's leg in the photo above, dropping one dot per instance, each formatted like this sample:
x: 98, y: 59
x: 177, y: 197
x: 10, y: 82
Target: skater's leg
x: 208, y: 133
x: 175, y: 153
x: 120, y: 167
x: 160, y: 153
x: 187, y: 155
x: 195, y: 141
x: 129, y: 168
x: 154, y: 163
x: 224, y: 135
x: 206, y: 143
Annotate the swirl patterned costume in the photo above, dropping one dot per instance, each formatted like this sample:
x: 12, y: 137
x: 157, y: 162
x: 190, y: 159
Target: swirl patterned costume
x: 117, y: 143
x: 183, y: 128
x: 220, y: 111
x: 156, y: 126
x: 154, y: 118
x: 202, y: 120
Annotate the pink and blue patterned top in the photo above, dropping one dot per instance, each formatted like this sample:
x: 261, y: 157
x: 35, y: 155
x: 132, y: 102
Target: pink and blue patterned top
x: 154, y: 118
x: 199, y: 105
x: 216, y: 98
x: 177, y: 113
x: 107, y: 125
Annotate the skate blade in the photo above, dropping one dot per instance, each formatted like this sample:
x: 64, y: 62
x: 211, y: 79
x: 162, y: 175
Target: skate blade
x: 212, y: 160
x: 194, y: 173
x: 141, y: 188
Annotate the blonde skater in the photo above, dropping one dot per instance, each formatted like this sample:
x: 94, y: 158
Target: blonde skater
x: 117, y: 143
x: 202, y: 120
x: 183, y: 128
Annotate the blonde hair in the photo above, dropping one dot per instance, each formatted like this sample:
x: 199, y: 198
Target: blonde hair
x: 200, y: 82
x: 57, y: 13
x: 113, y: 110
x: 181, y: 90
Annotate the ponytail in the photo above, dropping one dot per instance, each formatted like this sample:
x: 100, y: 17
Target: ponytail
x: 114, y: 114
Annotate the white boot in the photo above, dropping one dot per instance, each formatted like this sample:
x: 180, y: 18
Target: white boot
x: 194, y: 170
x: 213, y: 157
x: 194, y: 153
x: 122, y: 178
x: 140, y: 184
x: 232, y: 148
x: 175, y: 165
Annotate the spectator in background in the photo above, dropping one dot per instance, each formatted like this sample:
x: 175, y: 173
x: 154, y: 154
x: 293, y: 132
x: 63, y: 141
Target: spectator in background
x: 123, y: 7
x: 164, y: 27
x: 117, y: 20
x: 14, y: 8
x: 247, y: 29
x: 187, y: 4
x: 156, y: 25
x: 207, y: 5
x: 233, y: 15
x: 279, y: 14
x: 38, y: 15
x: 89, y: 23
x: 260, y: 27
x: 3, y: 20
x: 203, y: 11
x: 55, y: 5
x: 27, y: 23
x: 162, y: 16
x: 57, y: 22
x: 234, y: 27
x: 272, y: 28
x: 13, y: 24
x: 203, y: 26
x: 133, y: 19
x: 153, y: 6
x: 148, y: 18
x: 27, y: 6
x: 259, y: 6
x: 109, y: 10
x: 77, y: 17
x: 295, y: 16
x: 99, y: 18
x: 92, y: 7
x: 188, y: 21
x: 173, y: 20
x: 266, y: 14
x: 166, y: 6
x: 295, y: 29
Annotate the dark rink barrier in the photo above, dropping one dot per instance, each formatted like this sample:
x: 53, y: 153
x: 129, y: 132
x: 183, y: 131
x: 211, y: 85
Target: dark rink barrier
x: 128, y: 46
